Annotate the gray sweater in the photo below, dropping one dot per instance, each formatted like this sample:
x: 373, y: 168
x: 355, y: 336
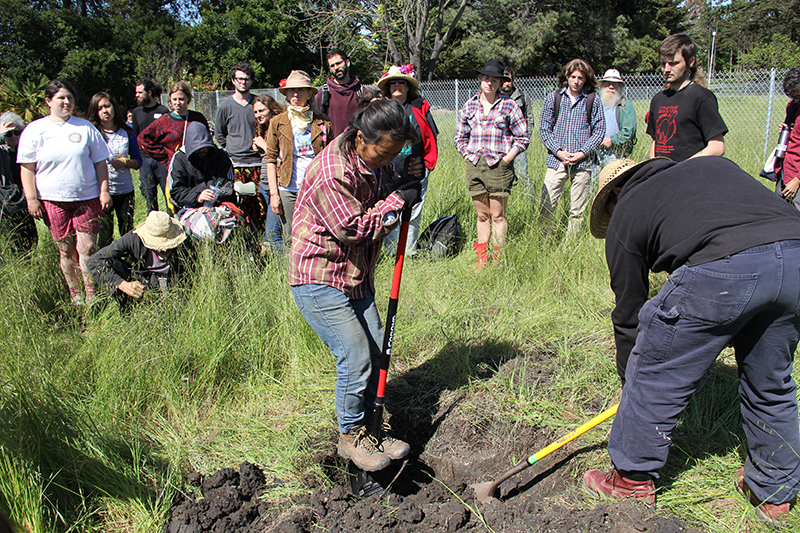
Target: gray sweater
x: 234, y: 129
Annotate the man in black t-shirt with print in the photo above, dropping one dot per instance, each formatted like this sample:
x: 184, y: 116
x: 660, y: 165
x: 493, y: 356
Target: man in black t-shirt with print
x: 151, y: 173
x: 684, y: 118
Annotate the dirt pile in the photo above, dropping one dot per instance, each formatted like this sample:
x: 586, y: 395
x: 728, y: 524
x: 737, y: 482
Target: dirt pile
x: 229, y: 503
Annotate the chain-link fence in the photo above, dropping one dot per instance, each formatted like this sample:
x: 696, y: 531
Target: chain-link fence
x: 752, y: 104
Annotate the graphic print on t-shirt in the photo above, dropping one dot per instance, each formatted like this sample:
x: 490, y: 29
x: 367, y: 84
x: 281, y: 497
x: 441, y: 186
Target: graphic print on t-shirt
x: 666, y: 127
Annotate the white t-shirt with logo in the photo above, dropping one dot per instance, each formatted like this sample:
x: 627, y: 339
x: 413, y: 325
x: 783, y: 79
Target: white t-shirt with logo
x: 65, y: 155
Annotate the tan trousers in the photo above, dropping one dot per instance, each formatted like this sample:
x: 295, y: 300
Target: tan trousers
x: 554, y: 182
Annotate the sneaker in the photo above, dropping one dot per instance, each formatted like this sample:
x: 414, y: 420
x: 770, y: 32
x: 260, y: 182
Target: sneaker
x: 770, y: 513
x: 391, y: 447
x: 360, y: 447
x: 613, y: 485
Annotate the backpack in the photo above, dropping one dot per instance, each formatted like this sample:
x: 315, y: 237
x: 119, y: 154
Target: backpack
x: 443, y: 238
x: 589, y: 106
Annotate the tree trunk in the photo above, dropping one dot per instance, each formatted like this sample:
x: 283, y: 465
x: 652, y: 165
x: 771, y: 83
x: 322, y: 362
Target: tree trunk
x: 441, y: 40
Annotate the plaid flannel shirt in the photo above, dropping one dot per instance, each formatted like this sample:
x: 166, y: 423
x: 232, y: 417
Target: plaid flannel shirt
x: 340, y: 220
x: 571, y: 133
x: 494, y: 136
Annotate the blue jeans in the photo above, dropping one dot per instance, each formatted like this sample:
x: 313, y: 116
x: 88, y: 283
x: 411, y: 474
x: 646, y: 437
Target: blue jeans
x: 352, y: 330
x: 390, y: 242
x: 272, y: 231
x: 750, y: 300
x: 151, y: 175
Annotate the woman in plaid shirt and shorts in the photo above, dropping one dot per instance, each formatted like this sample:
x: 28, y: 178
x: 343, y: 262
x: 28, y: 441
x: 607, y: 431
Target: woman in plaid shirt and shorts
x: 490, y: 133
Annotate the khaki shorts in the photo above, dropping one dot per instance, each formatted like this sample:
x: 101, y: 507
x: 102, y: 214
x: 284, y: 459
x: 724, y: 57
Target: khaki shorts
x: 496, y: 180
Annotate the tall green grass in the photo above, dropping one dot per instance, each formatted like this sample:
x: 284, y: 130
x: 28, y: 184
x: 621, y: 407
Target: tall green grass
x: 103, y: 413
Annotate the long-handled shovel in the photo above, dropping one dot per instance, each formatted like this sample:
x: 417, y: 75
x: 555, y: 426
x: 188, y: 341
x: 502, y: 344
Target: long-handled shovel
x: 388, y: 333
x: 363, y: 483
x: 484, y: 491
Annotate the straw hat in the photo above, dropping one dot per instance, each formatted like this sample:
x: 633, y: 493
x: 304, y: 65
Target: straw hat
x: 298, y: 79
x: 612, y: 74
x: 614, y: 174
x: 405, y: 73
x: 160, y: 232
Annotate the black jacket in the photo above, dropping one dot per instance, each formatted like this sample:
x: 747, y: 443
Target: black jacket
x: 673, y: 214
x: 191, y: 174
x: 128, y: 253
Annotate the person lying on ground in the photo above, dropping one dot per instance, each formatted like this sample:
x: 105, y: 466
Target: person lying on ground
x: 732, y: 248
x: 349, y: 201
x: 142, y: 259
x: 200, y: 173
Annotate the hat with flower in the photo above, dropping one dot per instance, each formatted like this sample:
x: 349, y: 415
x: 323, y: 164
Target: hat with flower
x: 403, y: 72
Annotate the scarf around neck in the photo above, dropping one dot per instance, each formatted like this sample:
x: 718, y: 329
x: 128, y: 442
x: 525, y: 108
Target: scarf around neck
x: 300, y: 116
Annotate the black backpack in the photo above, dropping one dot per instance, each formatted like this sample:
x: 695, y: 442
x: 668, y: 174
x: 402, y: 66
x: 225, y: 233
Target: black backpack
x: 443, y: 238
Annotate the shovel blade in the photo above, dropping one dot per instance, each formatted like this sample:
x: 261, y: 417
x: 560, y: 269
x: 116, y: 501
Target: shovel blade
x: 484, y: 491
x: 361, y: 482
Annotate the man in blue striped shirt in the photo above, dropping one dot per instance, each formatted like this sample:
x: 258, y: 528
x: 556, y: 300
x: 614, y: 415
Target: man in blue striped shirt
x: 572, y: 127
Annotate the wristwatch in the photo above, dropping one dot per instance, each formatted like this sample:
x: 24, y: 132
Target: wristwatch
x: 389, y: 218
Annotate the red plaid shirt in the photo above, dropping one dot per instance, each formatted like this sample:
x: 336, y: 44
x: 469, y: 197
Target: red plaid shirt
x: 338, y: 226
x: 493, y: 136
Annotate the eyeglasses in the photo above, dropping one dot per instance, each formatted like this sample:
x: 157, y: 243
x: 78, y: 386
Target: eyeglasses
x: 397, y: 82
x: 12, y: 133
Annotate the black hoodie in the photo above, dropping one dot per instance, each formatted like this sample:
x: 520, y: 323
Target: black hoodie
x: 191, y: 174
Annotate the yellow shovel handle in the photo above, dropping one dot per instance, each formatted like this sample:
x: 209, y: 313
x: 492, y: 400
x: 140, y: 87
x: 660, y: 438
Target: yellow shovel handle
x: 599, y: 419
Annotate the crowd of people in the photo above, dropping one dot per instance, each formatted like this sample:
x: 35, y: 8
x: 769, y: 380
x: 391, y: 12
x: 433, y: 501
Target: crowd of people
x: 334, y: 168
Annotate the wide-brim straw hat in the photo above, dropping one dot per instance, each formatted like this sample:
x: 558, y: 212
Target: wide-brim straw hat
x: 298, y: 79
x: 612, y: 74
x: 160, y: 232
x: 494, y: 68
x: 405, y: 73
x: 614, y: 174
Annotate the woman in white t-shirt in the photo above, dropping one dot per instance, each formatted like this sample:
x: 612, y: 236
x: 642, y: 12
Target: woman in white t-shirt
x: 294, y: 138
x: 65, y: 178
x: 105, y: 114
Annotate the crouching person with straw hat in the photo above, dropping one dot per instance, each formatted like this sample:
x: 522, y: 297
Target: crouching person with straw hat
x: 732, y: 249
x: 142, y: 259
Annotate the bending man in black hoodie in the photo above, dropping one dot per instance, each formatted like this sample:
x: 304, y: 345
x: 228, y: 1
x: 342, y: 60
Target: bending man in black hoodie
x: 198, y: 167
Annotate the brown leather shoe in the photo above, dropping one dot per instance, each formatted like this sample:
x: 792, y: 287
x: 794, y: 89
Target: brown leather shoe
x: 391, y: 447
x: 360, y: 447
x: 771, y: 514
x: 612, y: 484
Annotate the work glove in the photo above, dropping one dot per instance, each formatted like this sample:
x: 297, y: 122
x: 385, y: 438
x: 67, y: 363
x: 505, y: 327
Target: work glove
x: 410, y: 192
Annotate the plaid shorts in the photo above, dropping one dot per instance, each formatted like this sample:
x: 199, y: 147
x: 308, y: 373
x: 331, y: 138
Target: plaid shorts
x: 65, y: 218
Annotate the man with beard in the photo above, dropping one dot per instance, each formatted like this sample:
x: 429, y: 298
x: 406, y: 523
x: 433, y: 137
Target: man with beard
x: 684, y: 117
x: 620, y: 119
x: 339, y: 96
x: 151, y: 173
x: 509, y: 89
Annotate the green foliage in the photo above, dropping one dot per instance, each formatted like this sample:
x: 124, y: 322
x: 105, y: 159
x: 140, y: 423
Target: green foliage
x: 750, y: 33
x: 25, y: 98
x: 538, y: 40
x: 780, y: 53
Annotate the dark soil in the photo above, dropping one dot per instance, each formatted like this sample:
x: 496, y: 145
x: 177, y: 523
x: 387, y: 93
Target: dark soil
x: 456, y: 440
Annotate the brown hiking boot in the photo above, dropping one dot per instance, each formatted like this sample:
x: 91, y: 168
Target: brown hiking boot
x: 391, y: 447
x: 771, y: 514
x: 612, y: 484
x: 360, y: 447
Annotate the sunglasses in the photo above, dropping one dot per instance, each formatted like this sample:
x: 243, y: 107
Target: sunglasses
x: 397, y: 82
x: 12, y: 133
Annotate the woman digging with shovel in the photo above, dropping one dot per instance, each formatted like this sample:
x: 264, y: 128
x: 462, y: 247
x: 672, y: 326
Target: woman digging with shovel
x: 349, y: 201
